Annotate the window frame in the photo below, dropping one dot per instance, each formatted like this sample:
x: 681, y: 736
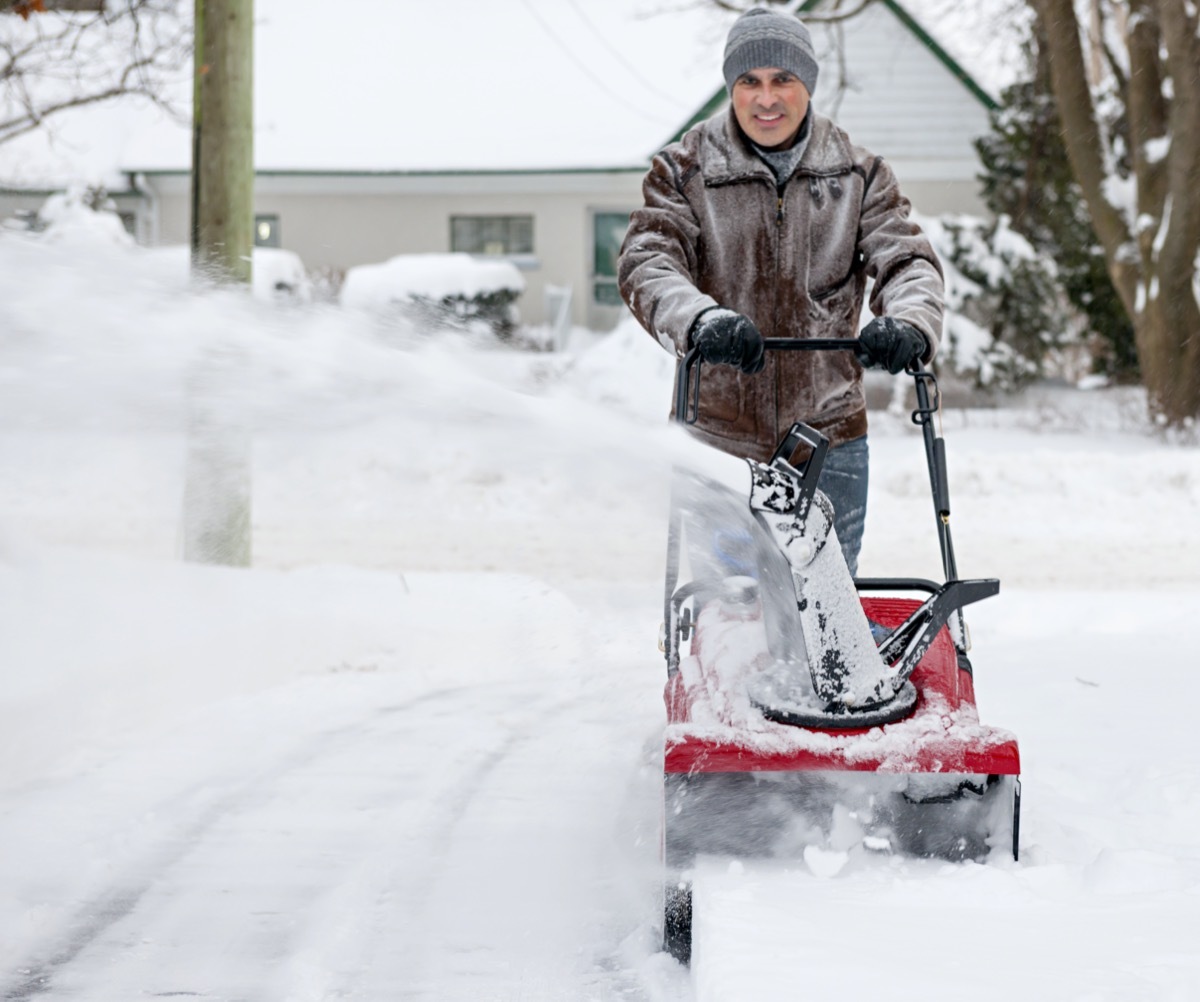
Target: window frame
x: 272, y: 218
x: 601, y: 275
x: 517, y: 240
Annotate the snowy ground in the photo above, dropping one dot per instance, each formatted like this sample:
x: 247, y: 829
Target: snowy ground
x: 412, y: 752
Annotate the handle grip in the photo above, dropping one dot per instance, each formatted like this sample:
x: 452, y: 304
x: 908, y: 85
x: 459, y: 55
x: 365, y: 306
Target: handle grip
x: 687, y: 379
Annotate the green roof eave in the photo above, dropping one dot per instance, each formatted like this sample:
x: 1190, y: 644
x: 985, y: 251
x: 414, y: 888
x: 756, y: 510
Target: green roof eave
x: 719, y: 97
x: 947, y: 60
x: 706, y: 111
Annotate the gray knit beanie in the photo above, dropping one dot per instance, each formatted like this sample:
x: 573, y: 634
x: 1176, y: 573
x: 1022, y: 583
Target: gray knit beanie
x: 763, y: 38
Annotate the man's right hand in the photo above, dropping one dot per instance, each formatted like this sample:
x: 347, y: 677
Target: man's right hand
x: 727, y: 338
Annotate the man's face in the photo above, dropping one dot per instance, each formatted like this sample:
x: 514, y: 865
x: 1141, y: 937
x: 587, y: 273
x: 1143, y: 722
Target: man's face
x: 770, y: 105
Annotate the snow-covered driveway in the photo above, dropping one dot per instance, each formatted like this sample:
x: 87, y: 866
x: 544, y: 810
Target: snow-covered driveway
x: 355, y: 835
x: 411, y: 752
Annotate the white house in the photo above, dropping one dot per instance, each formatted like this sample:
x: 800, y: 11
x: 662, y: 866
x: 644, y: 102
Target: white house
x: 514, y: 127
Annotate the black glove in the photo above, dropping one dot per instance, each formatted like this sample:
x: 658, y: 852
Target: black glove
x: 724, y: 337
x: 890, y: 344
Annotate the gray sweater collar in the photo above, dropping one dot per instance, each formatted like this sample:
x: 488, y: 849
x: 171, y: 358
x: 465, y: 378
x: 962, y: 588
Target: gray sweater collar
x: 783, y: 163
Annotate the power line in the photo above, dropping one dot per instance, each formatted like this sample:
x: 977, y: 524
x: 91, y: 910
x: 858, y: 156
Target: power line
x: 620, y: 56
x: 570, y: 53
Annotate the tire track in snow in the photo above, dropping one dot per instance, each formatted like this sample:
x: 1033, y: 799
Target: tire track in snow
x: 533, y: 895
x: 389, y: 952
x: 100, y: 915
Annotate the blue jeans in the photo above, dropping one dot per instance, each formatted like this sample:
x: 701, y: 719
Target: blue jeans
x: 844, y: 482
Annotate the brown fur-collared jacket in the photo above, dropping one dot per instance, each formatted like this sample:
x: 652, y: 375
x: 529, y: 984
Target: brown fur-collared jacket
x: 716, y: 230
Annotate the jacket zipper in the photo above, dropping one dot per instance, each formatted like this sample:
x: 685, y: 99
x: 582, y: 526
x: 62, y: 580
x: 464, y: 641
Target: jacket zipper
x: 774, y: 390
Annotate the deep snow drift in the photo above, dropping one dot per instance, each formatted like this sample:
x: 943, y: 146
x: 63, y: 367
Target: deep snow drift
x: 411, y: 753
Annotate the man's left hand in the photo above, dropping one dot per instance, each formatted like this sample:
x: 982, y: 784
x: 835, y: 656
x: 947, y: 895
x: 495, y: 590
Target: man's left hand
x: 890, y: 344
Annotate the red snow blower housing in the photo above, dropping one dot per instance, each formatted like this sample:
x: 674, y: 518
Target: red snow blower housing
x: 809, y: 709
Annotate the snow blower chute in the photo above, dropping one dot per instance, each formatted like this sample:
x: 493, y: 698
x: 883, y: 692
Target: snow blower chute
x: 812, y: 708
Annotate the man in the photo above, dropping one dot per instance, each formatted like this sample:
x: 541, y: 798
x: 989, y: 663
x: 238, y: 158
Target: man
x: 766, y: 221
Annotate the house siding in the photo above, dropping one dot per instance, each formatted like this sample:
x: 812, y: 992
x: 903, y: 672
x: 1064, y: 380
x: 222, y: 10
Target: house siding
x: 335, y: 222
x: 896, y: 96
x: 899, y: 100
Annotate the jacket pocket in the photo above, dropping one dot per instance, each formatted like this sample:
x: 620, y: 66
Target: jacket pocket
x: 834, y: 312
x: 822, y: 296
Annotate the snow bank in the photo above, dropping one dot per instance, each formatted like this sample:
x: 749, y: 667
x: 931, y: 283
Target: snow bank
x: 275, y: 274
x: 72, y: 217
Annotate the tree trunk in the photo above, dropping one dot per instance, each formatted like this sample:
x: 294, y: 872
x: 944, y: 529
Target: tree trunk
x: 1168, y: 336
x: 1152, y: 246
x: 217, y: 494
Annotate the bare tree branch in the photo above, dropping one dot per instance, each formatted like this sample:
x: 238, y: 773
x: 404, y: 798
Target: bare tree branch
x: 832, y: 16
x: 838, y: 15
x: 25, y: 8
x: 88, y: 53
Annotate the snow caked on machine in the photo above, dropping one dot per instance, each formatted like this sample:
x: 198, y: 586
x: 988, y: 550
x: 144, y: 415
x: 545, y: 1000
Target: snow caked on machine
x: 807, y: 708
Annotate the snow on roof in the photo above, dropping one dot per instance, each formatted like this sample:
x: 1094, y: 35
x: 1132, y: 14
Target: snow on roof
x: 983, y: 36
x: 408, y: 85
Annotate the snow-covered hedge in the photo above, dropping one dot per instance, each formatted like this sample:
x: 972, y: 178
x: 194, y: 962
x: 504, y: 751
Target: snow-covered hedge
x: 439, y: 290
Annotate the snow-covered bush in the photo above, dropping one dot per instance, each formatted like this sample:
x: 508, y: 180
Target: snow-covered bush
x: 276, y: 275
x: 279, y: 274
x: 438, y: 291
x: 80, y: 215
x: 1027, y: 175
x: 1006, y: 315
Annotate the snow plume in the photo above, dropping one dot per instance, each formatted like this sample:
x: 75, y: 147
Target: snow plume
x: 113, y: 342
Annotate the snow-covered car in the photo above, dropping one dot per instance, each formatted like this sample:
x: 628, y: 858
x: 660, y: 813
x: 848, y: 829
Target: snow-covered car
x: 439, y: 290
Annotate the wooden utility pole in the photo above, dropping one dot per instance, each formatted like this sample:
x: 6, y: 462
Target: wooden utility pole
x: 223, y: 139
x: 216, y: 503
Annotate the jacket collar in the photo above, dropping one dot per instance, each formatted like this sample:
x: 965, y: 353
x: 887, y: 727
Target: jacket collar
x: 727, y: 156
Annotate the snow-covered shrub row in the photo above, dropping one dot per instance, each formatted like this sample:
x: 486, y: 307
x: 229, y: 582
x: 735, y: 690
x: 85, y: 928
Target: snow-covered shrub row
x: 426, y: 291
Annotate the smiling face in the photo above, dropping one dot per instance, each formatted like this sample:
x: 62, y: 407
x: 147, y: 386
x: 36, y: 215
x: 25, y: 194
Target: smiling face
x: 770, y: 105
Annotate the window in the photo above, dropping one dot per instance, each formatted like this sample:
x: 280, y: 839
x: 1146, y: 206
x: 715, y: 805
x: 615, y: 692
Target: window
x: 266, y: 231
x: 608, y: 231
x: 491, y: 234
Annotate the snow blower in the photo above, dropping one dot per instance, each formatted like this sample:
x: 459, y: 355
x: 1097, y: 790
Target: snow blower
x: 812, y: 708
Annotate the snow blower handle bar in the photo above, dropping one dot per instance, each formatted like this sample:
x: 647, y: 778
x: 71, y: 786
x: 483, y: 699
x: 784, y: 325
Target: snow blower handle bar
x: 687, y: 411
x: 687, y: 385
